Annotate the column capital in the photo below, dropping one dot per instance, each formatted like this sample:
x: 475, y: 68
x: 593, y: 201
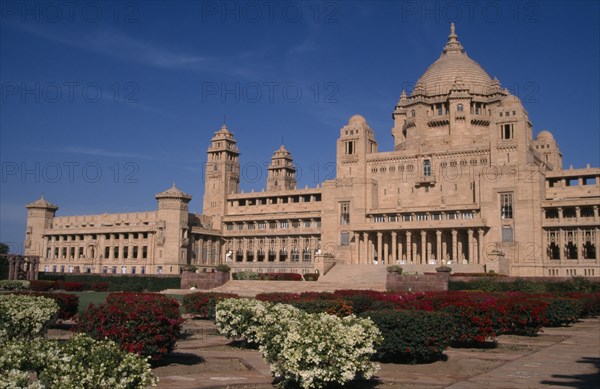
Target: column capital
x: 454, y: 232
x: 438, y: 233
x: 423, y: 233
x: 394, y: 233
x: 379, y: 234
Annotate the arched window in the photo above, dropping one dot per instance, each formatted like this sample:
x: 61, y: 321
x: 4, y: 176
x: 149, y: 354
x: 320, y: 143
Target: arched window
x: 459, y: 108
x: 413, y: 113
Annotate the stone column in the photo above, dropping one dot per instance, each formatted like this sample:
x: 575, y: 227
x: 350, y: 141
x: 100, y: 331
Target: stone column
x: 386, y: 252
x: 438, y: 246
x: 121, y: 245
x: 560, y: 215
x: 200, y: 245
x: 408, y: 247
x: 454, y: 246
x: 11, y: 268
x: 218, y: 258
x: 357, y: 244
x: 597, y: 241
x: 423, y: 247
x: 394, y: 248
x: 579, y: 243
x: 379, y: 247
x: 365, y: 245
x: 480, y: 245
x: 471, y: 246
x: 561, y: 244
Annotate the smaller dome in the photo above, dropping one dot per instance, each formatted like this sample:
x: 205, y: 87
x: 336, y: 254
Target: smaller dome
x: 545, y: 135
x: 173, y: 192
x: 358, y: 119
x: 42, y: 203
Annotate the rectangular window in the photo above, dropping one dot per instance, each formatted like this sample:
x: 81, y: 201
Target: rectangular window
x: 283, y: 225
x: 345, y: 213
x: 344, y: 238
x: 506, y: 205
x: 506, y: 131
x: 406, y: 218
x: 262, y: 225
x: 507, y: 234
x: 427, y: 168
x: 378, y: 219
x: 421, y: 216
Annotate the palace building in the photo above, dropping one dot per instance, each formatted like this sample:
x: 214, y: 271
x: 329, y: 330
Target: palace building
x: 467, y: 185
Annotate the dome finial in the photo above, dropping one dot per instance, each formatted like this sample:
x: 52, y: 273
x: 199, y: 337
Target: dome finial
x: 453, y: 44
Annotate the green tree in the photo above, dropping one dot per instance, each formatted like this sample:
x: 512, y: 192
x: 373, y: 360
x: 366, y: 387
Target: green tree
x: 3, y: 248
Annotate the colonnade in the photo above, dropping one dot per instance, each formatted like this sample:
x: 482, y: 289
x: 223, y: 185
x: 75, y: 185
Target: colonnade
x: 419, y: 246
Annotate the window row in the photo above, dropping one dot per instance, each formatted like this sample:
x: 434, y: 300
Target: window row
x: 428, y: 166
x: 568, y: 212
x: 274, y: 224
x: 422, y: 216
x: 308, y: 198
x: 80, y: 237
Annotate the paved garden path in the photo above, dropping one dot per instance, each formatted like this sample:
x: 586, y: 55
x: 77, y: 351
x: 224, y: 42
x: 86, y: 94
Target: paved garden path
x: 560, y: 358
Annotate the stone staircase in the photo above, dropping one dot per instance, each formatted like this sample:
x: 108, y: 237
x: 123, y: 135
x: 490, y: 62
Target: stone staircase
x: 339, y: 277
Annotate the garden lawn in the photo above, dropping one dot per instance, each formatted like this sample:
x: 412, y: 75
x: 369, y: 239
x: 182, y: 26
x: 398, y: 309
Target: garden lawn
x: 87, y: 298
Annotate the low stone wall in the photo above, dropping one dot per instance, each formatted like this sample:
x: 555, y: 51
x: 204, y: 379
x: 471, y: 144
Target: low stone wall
x: 204, y: 280
x: 437, y: 282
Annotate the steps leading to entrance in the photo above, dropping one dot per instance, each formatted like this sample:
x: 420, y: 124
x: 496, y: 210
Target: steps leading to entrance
x: 339, y: 277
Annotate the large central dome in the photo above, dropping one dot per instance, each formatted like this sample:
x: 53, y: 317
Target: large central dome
x: 453, y: 64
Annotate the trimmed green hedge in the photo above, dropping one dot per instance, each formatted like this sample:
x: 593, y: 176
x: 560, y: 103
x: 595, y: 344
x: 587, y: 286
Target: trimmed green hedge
x: 120, y: 283
x: 412, y: 336
x: 492, y: 284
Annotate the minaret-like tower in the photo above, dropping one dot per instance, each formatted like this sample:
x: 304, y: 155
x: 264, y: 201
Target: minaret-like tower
x: 40, y: 214
x: 282, y: 172
x: 222, y: 176
x: 172, y: 231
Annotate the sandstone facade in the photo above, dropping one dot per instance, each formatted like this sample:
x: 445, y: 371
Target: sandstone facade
x: 467, y: 185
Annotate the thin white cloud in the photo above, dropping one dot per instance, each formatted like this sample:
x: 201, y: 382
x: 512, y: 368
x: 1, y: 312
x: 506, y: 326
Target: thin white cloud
x: 94, y: 152
x: 117, y: 44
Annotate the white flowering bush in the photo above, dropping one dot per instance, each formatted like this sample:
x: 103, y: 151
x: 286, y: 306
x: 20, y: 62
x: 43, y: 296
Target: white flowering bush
x: 308, y: 350
x: 24, y: 317
x: 14, y: 285
x: 80, y: 362
x: 240, y: 319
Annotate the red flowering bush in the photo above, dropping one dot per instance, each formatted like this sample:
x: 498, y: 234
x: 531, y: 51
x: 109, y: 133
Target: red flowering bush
x: 590, y: 302
x: 203, y: 304
x: 41, y: 286
x: 67, y: 303
x: 522, y: 314
x: 143, y: 323
x: 69, y: 286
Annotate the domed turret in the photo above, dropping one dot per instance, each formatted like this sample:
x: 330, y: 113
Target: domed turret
x: 441, y: 75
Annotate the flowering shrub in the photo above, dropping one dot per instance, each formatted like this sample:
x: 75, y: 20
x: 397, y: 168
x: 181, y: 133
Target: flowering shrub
x: 203, y: 304
x: 590, y: 302
x: 14, y: 285
x: 25, y: 317
x: 306, y: 350
x: 311, y: 276
x: 69, y: 286
x: 522, y: 315
x: 80, y: 362
x: 240, y: 318
x: 41, y: 286
x: 143, y: 323
x: 67, y: 303
x: 562, y: 312
x: 412, y: 336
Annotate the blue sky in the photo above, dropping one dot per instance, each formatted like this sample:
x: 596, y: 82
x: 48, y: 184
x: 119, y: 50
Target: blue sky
x: 104, y: 104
